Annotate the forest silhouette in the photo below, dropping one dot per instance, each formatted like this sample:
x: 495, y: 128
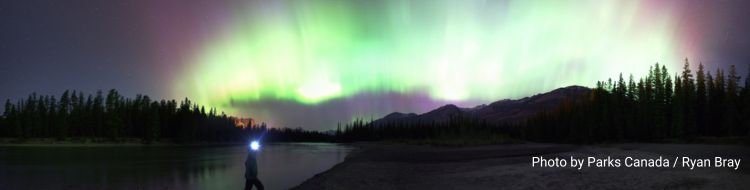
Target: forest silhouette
x: 114, y: 118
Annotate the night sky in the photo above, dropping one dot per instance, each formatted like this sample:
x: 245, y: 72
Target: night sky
x: 314, y: 63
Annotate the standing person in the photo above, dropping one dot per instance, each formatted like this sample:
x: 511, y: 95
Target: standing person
x: 251, y: 167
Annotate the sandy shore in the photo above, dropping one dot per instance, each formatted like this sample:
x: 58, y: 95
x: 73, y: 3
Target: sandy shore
x: 390, y: 166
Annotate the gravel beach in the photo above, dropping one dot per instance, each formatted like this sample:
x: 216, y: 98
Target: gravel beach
x: 395, y: 166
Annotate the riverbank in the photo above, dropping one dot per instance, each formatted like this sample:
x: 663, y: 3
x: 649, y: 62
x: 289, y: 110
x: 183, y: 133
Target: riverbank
x: 398, y: 166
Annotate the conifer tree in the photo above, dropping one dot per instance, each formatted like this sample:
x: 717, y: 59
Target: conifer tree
x: 688, y: 95
x: 6, y: 127
x: 632, y: 89
x: 678, y: 114
x: 731, y: 118
x: 746, y: 104
x: 719, y: 104
x: 701, y: 100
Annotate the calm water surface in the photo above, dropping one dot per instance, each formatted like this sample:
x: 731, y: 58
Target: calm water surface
x: 280, y: 166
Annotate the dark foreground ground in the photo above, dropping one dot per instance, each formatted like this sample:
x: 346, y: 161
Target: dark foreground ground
x: 392, y: 166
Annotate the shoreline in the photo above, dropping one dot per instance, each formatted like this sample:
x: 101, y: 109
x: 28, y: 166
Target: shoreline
x: 397, y: 166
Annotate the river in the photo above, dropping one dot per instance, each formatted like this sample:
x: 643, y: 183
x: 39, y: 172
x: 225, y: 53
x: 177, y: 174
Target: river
x: 280, y: 166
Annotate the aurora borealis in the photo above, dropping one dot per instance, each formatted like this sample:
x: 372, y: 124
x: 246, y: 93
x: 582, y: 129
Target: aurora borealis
x: 315, y: 63
x: 310, y: 52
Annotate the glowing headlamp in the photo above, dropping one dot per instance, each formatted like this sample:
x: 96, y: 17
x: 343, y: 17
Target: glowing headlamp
x: 254, y: 145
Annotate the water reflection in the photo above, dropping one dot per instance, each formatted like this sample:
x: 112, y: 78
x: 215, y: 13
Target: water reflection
x: 280, y: 166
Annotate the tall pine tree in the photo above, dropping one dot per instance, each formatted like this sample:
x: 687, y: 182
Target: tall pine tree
x: 732, y: 118
x: 746, y: 104
x: 688, y: 94
x: 701, y: 100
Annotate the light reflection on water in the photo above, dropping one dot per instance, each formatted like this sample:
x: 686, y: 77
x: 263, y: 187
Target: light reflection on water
x: 280, y: 166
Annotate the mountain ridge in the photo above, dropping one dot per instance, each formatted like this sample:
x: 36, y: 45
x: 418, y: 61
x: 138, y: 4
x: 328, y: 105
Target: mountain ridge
x: 500, y: 111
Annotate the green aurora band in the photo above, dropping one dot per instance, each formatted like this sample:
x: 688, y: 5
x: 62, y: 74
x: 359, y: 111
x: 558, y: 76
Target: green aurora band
x: 310, y: 52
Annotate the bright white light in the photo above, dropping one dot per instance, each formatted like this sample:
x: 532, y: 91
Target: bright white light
x: 254, y: 145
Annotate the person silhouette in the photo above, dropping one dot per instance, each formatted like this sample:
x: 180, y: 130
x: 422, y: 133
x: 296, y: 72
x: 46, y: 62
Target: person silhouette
x: 251, y: 167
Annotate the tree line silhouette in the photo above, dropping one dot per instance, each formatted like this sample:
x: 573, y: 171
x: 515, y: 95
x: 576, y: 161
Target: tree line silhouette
x: 655, y: 108
x: 457, y: 126
x: 658, y: 107
x: 115, y: 118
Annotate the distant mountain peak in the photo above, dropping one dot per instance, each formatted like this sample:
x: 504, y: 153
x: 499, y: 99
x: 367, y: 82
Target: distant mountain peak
x: 574, y: 88
x: 448, y: 107
x: 398, y: 115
